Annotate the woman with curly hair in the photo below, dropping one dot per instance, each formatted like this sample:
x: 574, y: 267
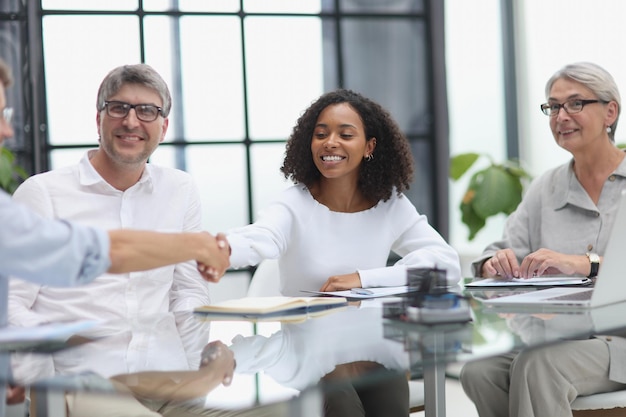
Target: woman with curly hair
x: 335, y: 228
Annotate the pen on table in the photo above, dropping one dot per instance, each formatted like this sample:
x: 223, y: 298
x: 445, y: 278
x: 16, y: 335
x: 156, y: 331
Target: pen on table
x: 361, y: 291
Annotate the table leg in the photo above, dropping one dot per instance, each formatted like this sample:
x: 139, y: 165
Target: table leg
x: 47, y: 402
x: 435, y: 380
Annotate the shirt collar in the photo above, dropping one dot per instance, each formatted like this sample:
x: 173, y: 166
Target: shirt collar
x: 89, y: 176
x: 568, y: 189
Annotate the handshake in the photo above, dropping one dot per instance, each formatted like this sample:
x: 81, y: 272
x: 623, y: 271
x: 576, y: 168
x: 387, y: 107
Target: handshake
x: 137, y: 250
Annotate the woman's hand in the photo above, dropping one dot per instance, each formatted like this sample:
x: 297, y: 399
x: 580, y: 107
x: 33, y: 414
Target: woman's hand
x: 503, y: 265
x: 342, y: 282
x: 549, y: 262
x: 219, y: 357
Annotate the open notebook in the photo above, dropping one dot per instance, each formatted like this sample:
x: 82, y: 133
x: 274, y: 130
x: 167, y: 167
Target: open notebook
x: 610, y: 284
x: 278, y: 308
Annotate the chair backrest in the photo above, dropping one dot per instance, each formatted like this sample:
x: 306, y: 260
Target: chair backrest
x: 266, y: 280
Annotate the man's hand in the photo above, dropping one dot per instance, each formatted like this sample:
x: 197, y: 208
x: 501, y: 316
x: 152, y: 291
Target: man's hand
x: 15, y: 394
x: 217, y: 255
x: 220, y: 358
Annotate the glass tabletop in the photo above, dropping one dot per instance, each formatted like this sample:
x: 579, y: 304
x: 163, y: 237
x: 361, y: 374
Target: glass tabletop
x: 278, y: 361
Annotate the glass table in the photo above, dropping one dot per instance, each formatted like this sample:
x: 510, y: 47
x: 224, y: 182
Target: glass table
x: 296, y: 366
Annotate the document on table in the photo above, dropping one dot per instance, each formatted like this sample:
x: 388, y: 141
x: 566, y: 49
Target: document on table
x: 366, y: 292
x: 553, y: 281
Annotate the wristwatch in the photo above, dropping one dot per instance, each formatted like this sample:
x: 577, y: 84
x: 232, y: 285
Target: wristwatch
x: 594, y: 261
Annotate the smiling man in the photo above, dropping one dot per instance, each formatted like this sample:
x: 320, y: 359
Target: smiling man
x: 115, y: 187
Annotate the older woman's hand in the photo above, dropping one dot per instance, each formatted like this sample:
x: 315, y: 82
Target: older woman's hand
x: 549, y: 262
x: 503, y: 264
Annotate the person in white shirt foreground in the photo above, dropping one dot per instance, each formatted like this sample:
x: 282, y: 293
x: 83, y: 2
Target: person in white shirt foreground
x: 62, y: 253
x: 114, y: 187
x: 335, y: 228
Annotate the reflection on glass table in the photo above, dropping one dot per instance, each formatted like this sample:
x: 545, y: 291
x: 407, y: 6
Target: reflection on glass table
x: 299, y: 366
x: 344, y: 353
x: 494, y: 331
x: 295, y: 361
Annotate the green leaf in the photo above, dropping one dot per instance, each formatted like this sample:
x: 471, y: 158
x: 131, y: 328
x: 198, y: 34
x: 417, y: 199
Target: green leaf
x: 6, y: 169
x: 472, y: 220
x: 10, y: 174
x: 496, y: 191
x: 461, y: 163
x: 514, y: 168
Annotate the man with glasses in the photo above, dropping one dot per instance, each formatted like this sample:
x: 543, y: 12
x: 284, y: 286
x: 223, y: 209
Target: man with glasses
x: 60, y: 253
x: 113, y: 187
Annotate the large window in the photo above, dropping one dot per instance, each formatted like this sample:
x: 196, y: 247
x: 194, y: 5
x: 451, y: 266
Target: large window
x: 241, y: 72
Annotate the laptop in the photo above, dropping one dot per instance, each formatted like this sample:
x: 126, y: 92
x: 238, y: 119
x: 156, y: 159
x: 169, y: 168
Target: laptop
x: 610, y: 286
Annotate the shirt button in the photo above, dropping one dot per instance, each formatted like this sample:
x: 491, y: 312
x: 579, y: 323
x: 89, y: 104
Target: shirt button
x: 589, y: 247
x: 612, y: 178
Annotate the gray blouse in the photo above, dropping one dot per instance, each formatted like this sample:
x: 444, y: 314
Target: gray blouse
x: 557, y: 213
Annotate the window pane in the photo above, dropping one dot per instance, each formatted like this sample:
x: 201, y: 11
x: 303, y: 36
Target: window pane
x: 267, y: 180
x: 390, y: 6
x: 221, y: 179
x: 193, y: 5
x: 396, y: 51
x: 209, y: 67
x: 60, y: 158
x: 90, y: 4
x: 282, y: 6
x: 284, y: 73
x: 421, y: 192
x: 10, y: 6
x: 159, y: 49
x: 72, y: 79
x: 232, y: 285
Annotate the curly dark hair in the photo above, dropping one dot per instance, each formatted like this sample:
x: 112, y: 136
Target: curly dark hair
x: 392, y: 165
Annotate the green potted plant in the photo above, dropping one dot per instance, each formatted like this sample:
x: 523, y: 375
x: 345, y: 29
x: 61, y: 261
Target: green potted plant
x: 495, y: 189
x: 11, y: 174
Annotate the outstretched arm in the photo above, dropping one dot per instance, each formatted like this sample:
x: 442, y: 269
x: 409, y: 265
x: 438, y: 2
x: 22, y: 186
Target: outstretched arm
x: 217, y: 367
x: 134, y: 250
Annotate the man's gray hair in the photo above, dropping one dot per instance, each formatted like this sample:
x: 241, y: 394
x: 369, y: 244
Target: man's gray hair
x: 141, y: 74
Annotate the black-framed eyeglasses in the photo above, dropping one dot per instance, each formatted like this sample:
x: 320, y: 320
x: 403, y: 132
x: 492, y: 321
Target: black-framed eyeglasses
x: 144, y: 112
x: 7, y: 115
x: 571, y: 106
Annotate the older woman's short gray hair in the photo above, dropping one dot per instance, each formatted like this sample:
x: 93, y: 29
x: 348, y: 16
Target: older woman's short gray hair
x: 141, y: 74
x: 595, y: 78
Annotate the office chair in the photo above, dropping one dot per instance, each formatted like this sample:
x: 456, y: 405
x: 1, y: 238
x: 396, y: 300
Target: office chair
x: 606, y: 404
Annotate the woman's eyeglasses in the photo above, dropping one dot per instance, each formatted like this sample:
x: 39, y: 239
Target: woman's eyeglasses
x: 571, y: 106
